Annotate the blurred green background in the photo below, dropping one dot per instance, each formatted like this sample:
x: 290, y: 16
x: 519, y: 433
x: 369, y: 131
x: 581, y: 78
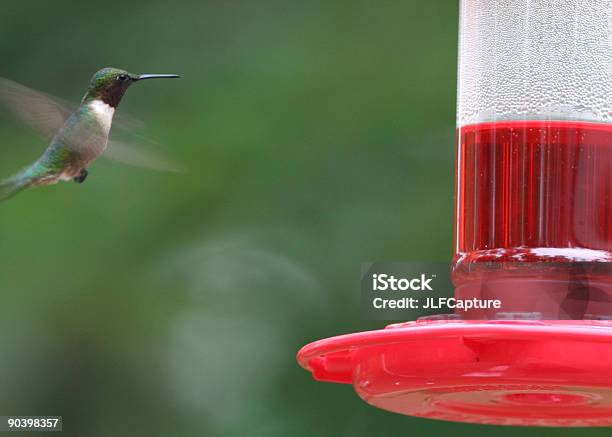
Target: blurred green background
x: 317, y: 135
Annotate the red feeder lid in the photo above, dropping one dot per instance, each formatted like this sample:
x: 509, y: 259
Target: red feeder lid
x: 500, y: 372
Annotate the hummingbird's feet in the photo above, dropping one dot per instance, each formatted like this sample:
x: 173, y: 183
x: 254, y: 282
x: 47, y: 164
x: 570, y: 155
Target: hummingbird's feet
x: 81, y: 177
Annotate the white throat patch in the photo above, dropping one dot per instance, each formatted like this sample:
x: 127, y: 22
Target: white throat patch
x: 103, y: 112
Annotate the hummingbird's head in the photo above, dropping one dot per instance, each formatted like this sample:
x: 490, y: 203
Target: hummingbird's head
x: 109, y: 84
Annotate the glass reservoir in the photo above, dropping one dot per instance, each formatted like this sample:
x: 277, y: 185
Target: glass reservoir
x: 534, y: 157
x: 533, y: 230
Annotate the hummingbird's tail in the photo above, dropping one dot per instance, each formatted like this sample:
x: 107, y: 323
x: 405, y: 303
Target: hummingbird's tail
x: 16, y: 183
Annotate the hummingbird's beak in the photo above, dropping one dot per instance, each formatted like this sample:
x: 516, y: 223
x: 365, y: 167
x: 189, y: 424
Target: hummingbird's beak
x: 156, y: 76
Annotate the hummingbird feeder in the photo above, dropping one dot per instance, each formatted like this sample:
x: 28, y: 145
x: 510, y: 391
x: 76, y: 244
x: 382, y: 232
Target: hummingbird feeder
x: 533, y: 228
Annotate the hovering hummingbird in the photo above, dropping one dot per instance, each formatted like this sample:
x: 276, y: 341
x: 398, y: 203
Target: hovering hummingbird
x: 77, y: 137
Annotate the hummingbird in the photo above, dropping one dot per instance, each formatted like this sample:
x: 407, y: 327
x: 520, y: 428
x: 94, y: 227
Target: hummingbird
x: 78, y: 137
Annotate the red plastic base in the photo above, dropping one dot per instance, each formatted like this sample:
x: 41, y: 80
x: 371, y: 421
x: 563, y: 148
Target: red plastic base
x: 501, y: 372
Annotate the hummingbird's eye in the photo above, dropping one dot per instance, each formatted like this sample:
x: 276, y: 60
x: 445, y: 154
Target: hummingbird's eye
x: 122, y: 77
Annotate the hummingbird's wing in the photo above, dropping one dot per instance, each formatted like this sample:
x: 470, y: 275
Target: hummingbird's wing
x: 130, y: 154
x: 47, y: 114
x: 41, y: 112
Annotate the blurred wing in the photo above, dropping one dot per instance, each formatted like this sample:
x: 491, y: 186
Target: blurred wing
x: 138, y: 156
x: 46, y: 115
x: 41, y: 112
